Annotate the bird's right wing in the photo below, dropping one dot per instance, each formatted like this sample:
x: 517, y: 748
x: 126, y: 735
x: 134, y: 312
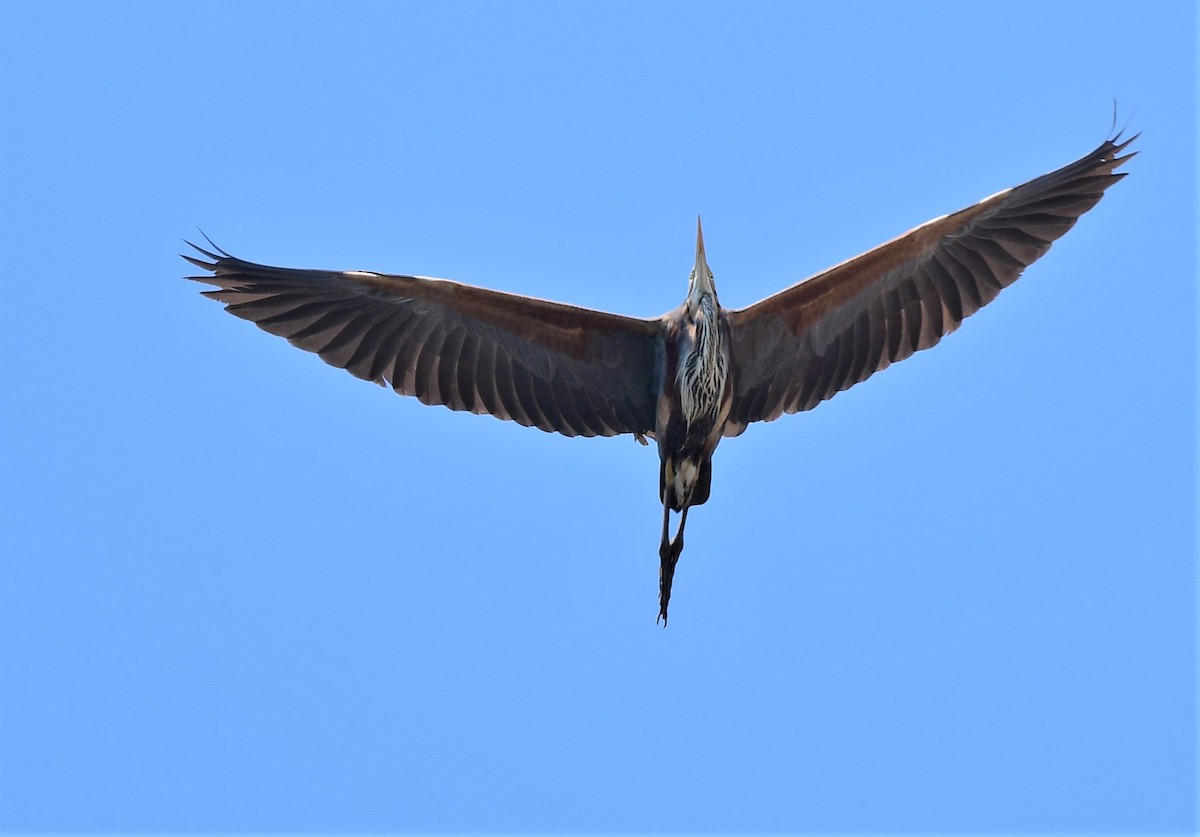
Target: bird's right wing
x: 542, y: 364
x: 809, y: 342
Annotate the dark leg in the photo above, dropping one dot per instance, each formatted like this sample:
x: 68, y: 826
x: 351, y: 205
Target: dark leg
x: 666, y: 567
x: 668, y: 556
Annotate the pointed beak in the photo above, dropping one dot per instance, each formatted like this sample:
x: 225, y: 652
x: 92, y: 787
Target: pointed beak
x: 702, y: 277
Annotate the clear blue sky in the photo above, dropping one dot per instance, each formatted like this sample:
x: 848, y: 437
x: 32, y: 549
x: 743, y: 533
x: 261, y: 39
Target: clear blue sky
x: 244, y: 591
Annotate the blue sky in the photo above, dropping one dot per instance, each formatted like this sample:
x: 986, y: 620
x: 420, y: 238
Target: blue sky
x: 244, y: 591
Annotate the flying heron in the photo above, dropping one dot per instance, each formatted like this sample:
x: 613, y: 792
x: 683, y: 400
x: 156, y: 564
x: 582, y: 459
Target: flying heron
x: 689, y: 377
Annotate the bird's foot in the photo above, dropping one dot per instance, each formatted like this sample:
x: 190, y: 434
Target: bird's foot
x: 668, y: 556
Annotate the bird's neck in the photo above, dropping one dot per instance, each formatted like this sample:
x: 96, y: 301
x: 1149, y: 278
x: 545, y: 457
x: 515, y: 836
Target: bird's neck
x: 702, y: 305
x: 702, y: 369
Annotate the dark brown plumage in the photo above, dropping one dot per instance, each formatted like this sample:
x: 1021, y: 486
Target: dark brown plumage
x: 582, y: 372
x: 809, y: 342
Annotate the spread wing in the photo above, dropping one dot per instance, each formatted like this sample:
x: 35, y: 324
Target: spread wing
x: 541, y: 364
x: 809, y: 342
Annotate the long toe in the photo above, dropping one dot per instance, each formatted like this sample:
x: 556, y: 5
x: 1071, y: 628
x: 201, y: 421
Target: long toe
x: 665, y: 577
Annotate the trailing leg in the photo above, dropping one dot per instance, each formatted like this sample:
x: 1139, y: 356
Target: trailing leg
x: 668, y: 556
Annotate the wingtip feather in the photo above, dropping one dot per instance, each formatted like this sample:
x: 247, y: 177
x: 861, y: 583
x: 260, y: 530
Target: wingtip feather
x: 203, y: 265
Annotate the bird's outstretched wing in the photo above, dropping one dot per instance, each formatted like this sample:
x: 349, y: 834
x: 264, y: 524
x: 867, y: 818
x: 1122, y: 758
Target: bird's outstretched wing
x: 809, y: 342
x: 542, y: 364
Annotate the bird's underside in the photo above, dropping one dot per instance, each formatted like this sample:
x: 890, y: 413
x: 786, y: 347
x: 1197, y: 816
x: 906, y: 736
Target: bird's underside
x: 689, y: 377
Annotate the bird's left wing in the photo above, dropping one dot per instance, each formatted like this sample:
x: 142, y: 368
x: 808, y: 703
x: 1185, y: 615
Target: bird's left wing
x: 809, y: 342
x: 542, y: 364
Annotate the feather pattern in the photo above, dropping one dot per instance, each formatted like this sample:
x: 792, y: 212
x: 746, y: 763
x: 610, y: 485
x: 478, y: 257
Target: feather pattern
x: 542, y: 364
x: 703, y: 370
x: 815, y: 339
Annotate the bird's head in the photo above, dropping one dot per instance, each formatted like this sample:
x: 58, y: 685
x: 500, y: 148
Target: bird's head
x: 701, y: 283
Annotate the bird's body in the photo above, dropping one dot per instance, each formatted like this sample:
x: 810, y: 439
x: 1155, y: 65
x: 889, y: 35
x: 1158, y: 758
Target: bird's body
x: 693, y: 403
x: 694, y: 400
x: 687, y: 378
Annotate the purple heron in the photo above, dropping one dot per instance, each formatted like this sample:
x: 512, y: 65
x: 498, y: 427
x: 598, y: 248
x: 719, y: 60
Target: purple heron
x: 689, y: 377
